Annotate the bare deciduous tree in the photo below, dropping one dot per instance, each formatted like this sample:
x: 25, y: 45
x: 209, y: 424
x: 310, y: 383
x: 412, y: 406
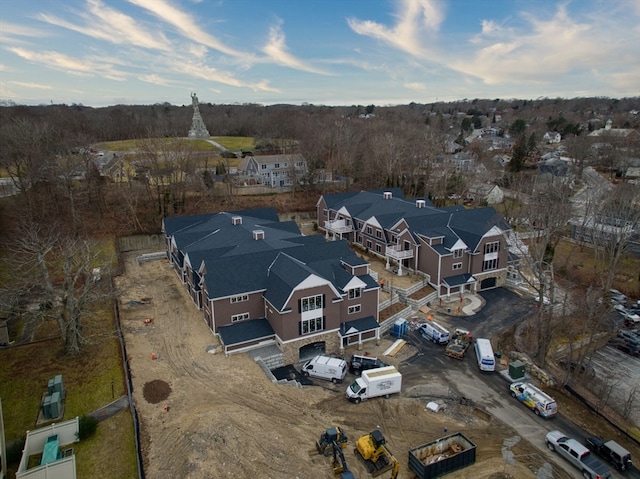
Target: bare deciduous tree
x: 66, y: 272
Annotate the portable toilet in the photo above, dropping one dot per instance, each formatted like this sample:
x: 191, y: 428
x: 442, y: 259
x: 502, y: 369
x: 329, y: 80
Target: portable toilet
x: 55, y: 385
x: 399, y: 327
x: 516, y: 370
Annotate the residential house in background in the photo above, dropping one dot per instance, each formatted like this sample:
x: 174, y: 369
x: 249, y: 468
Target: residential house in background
x: 486, y: 193
x: 552, y: 137
x: 272, y: 170
x: 455, y: 249
x: 259, y: 282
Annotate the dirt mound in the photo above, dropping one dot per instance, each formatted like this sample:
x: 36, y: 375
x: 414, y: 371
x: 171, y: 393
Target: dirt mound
x: 156, y: 391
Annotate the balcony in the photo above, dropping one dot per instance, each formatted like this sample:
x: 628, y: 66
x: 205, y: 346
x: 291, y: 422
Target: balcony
x: 397, y: 253
x: 337, y: 227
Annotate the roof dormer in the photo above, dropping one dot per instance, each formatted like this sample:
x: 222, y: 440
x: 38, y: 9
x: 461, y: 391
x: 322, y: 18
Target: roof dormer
x: 258, y: 234
x: 236, y: 220
x: 387, y: 195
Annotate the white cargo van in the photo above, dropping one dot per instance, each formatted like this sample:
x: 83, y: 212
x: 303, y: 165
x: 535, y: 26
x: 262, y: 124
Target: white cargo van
x: 535, y: 399
x: 326, y: 367
x: 484, y: 355
x: 435, y: 332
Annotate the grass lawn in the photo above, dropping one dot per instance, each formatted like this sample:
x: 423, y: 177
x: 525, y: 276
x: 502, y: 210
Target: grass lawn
x: 229, y: 142
x: 91, y: 379
x: 235, y: 142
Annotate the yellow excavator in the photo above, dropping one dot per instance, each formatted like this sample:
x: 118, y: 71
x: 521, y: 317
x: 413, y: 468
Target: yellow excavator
x: 324, y: 445
x: 372, y: 451
x: 339, y: 463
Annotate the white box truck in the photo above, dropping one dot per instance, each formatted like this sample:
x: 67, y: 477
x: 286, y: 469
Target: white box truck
x: 325, y: 367
x: 373, y: 383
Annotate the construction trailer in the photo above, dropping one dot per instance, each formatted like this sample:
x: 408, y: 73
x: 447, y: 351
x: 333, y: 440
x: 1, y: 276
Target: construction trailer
x: 442, y: 456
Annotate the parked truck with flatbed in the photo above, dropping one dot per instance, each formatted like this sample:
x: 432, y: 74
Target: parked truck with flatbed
x: 458, y: 344
x: 578, y: 455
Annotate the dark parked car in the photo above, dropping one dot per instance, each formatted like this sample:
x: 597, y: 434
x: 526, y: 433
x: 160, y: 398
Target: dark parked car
x: 632, y: 348
x: 613, y: 452
x: 361, y: 363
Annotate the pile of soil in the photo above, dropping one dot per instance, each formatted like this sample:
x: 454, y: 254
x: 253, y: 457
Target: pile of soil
x: 156, y: 391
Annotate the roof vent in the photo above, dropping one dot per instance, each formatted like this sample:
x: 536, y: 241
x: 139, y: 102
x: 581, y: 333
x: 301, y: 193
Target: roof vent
x: 258, y: 234
x: 420, y: 203
x: 387, y: 195
x: 236, y: 220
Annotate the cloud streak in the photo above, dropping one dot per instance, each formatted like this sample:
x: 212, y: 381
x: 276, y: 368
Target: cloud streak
x: 416, y: 18
x: 276, y: 50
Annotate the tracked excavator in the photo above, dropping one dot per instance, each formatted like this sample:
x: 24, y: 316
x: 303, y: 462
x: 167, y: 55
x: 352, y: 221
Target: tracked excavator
x: 339, y: 463
x: 372, y: 451
x: 324, y: 445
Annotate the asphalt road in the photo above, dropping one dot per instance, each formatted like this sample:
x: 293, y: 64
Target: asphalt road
x: 489, y: 391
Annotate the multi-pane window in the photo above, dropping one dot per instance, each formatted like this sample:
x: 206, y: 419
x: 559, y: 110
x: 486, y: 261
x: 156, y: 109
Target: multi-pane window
x: 354, y: 293
x: 308, y: 326
x: 369, y: 244
x: 457, y: 266
x: 276, y: 165
x: 311, y: 303
x: 457, y: 253
x: 354, y: 309
x: 378, y: 234
x: 369, y: 230
x: 490, y: 264
x: 378, y: 248
x: 492, y: 247
x: 240, y: 298
x: 239, y: 317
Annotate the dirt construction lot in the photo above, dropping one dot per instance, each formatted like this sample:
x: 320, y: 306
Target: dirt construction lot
x: 205, y: 415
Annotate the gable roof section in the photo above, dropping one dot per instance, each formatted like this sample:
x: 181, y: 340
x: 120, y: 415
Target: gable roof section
x: 472, y: 225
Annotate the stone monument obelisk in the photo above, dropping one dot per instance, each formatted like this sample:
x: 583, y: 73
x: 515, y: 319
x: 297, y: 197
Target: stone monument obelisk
x: 198, y: 130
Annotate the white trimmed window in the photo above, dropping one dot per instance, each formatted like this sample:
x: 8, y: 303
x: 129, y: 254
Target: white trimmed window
x: 308, y: 326
x: 457, y: 253
x: 457, y: 266
x: 311, y: 303
x: 369, y: 230
x: 378, y: 248
x: 355, y: 293
x: 489, y: 264
x: 492, y: 247
x: 354, y: 309
x: 240, y: 298
x: 239, y: 317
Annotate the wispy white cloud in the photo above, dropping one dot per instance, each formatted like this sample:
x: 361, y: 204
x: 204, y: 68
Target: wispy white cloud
x: 415, y: 86
x: 541, y: 50
x: 186, y: 25
x: 154, y: 79
x: 107, y: 24
x: 37, y: 86
x: 205, y: 72
x: 276, y: 50
x: 416, y: 17
x: 71, y: 65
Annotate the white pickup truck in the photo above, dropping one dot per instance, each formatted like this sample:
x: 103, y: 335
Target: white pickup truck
x: 578, y: 455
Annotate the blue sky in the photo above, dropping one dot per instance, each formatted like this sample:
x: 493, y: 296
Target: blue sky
x: 325, y: 52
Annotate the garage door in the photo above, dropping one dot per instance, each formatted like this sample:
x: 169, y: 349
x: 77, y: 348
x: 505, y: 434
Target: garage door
x: 487, y: 284
x: 311, y: 350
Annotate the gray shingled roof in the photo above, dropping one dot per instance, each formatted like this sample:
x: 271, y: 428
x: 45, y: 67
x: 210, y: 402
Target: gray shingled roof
x: 245, y: 331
